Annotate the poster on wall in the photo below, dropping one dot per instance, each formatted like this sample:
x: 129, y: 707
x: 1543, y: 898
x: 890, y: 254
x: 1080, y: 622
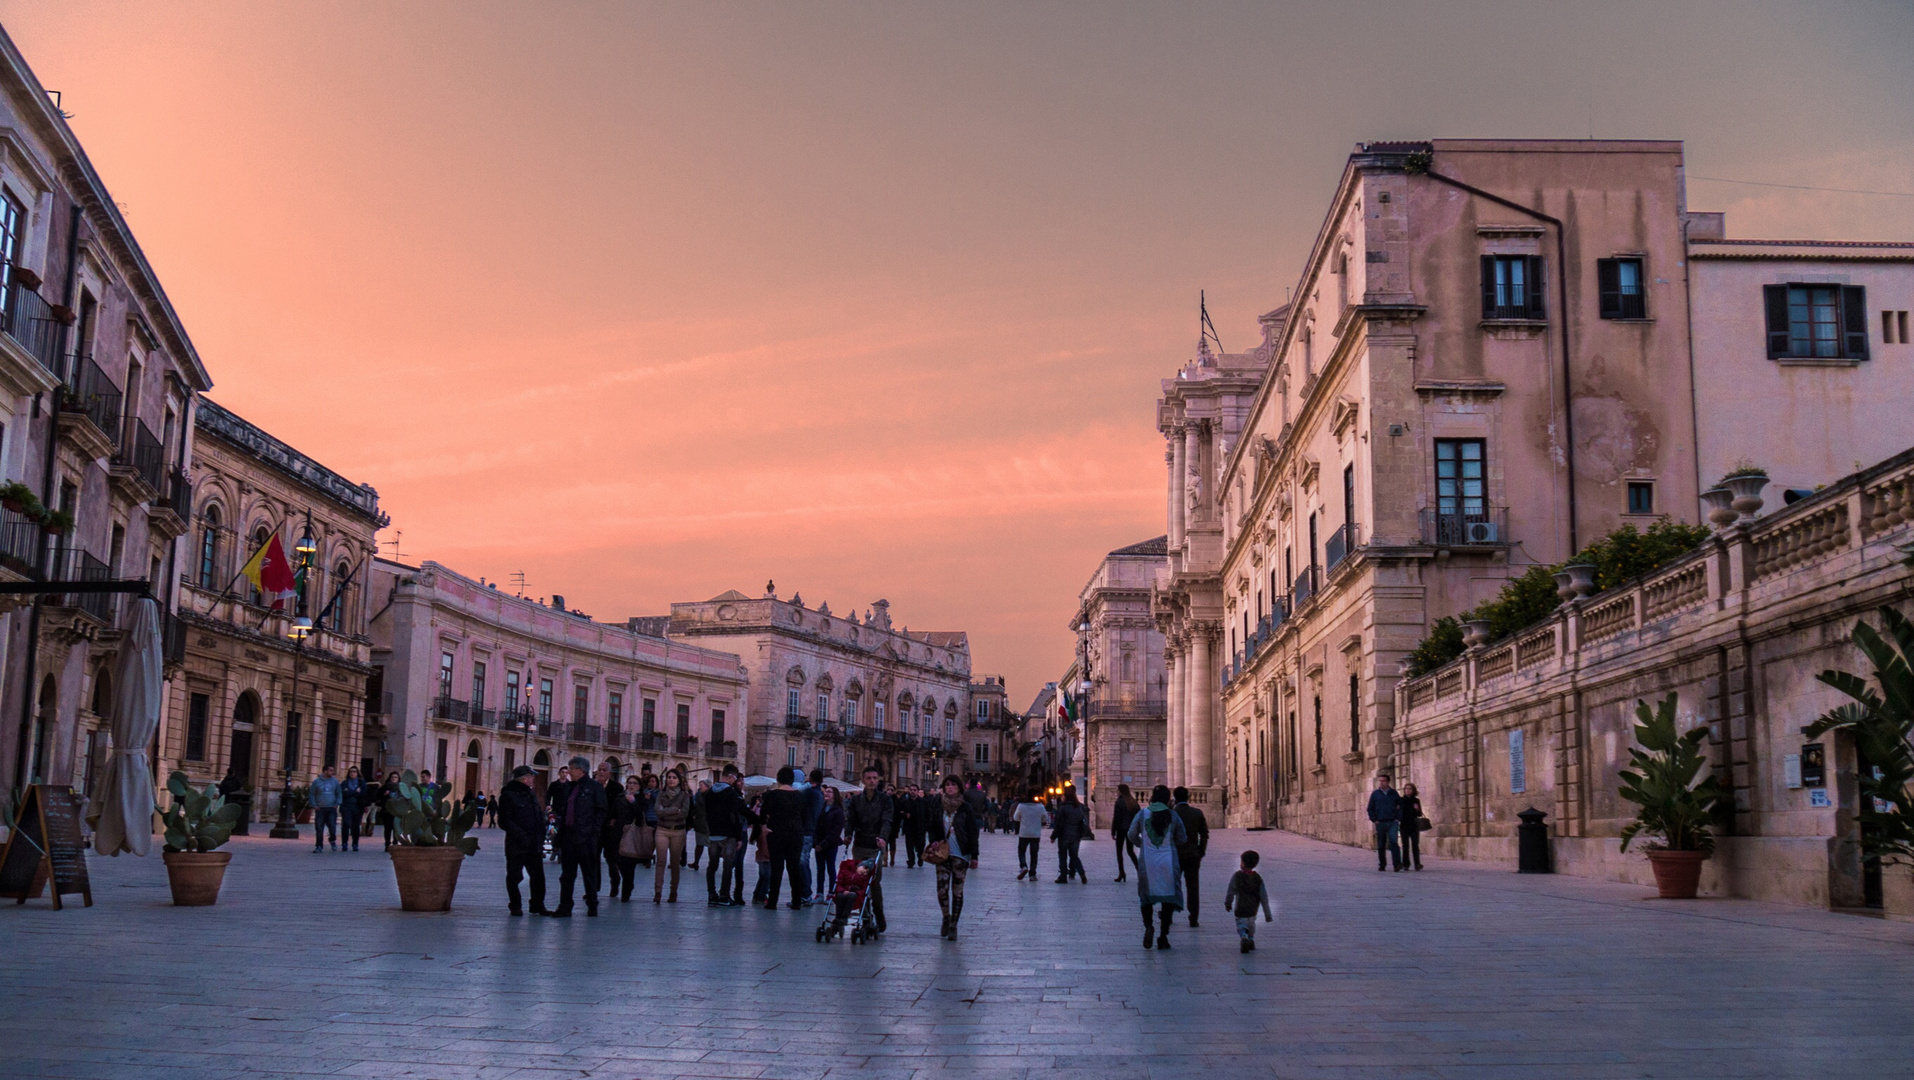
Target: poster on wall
x: 1518, y: 765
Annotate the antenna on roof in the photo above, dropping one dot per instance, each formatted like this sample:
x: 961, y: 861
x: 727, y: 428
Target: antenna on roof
x: 1207, y: 327
x: 518, y: 580
x: 398, y: 535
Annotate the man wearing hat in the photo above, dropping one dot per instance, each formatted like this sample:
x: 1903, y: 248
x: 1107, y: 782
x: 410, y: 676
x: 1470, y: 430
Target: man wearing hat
x: 581, y: 821
x: 524, y: 823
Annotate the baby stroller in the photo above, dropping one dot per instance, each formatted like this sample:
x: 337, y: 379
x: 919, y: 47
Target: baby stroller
x: 852, y: 903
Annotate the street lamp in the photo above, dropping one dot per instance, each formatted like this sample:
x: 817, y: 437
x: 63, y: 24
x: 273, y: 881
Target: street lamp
x: 300, y: 631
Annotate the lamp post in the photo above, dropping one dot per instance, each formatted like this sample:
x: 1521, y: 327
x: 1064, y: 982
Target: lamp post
x: 286, y: 828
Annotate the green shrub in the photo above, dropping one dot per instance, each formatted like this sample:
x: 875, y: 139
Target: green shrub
x: 1626, y: 554
x: 1443, y: 644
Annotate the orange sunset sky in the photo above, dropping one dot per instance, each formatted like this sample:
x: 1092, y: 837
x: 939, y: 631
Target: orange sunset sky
x: 650, y: 302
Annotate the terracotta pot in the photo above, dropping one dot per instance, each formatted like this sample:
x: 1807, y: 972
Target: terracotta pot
x: 305, y: 816
x: 1677, y: 873
x: 196, y: 876
x: 427, y: 876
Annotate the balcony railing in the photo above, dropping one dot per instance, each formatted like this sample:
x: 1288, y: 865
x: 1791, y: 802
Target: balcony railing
x: 1126, y: 709
x: 76, y: 565
x: 446, y: 707
x: 794, y: 722
x: 721, y: 750
x: 29, y: 320
x: 1305, y: 586
x: 177, y: 495
x: 829, y: 729
x: 141, y: 452
x: 586, y: 733
x: 654, y: 742
x: 616, y: 739
x: 1486, y: 526
x: 96, y: 397
x: 686, y: 745
x: 1341, y: 542
x: 19, y: 542
x: 512, y: 718
x: 480, y: 716
x: 172, y: 639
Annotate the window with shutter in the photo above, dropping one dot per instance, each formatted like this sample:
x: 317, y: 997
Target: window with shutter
x: 1854, y: 321
x: 1512, y: 287
x: 1620, y: 285
x: 1812, y: 320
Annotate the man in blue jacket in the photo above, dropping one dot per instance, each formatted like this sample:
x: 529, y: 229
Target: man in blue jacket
x: 323, y: 796
x: 1383, y: 808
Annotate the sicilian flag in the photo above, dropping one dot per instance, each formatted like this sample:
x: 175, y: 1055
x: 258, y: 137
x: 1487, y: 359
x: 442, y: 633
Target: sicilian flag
x: 271, y: 571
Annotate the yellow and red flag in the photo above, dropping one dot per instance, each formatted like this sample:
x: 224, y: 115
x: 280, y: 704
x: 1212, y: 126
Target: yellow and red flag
x: 270, y: 570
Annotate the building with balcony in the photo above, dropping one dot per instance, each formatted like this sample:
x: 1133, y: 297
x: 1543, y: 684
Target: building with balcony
x: 838, y: 692
x: 1047, y: 743
x: 471, y: 682
x: 1123, y: 718
x: 97, y: 382
x: 986, y: 751
x: 249, y: 699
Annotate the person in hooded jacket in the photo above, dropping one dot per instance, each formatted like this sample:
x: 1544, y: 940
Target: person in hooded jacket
x: 524, y: 823
x: 1157, y: 832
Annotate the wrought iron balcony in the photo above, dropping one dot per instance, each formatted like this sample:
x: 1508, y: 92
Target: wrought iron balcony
x: 686, y: 745
x: 141, y: 457
x: 480, y: 716
x: 1305, y: 586
x: 1126, y: 709
x: 616, y: 739
x: 172, y: 639
x: 447, y: 707
x: 586, y: 733
x: 1340, y: 543
x: 794, y: 722
x: 95, y: 397
x: 1483, y: 527
x: 29, y: 319
x: 654, y: 742
x: 20, y: 540
x: 725, y: 749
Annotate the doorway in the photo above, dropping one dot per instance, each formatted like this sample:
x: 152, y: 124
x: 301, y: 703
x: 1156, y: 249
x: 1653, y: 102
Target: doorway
x: 472, y: 769
x: 1870, y: 833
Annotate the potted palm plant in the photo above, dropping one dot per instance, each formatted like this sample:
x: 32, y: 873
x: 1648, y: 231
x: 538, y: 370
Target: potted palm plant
x: 1673, y: 808
x: 197, y: 826
x: 1880, y: 719
x: 432, y: 844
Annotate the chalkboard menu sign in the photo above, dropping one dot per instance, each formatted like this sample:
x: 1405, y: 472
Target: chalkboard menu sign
x: 44, y: 845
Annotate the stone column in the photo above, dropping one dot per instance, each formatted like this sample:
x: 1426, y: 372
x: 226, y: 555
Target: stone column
x: 1192, y: 472
x: 1203, y: 685
x: 1172, y: 711
x: 1173, y: 459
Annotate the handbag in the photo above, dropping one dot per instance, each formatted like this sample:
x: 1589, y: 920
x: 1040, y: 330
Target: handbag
x: 937, y: 854
x: 1423, y: 824
x: 630, y: 844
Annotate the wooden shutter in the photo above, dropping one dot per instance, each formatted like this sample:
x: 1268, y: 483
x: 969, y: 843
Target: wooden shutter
x: 1854, y: 321
x: 1608, y: 278
x: 1777, y: 298
x: 1536, y: 308
x: 1488, y: 286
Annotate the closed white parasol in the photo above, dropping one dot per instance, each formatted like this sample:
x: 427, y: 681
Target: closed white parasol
x: 122, y: 813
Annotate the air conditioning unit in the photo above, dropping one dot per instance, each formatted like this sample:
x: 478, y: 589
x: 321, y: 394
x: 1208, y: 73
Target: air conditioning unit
x: 1481, y: 532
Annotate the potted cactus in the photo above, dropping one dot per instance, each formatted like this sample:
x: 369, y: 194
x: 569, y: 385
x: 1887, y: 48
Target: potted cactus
x: 432, y: 844
x: 1673, y: 808
x: 197, y: 826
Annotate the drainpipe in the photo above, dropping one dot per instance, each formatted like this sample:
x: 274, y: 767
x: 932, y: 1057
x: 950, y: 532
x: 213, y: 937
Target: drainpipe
x: 1561, y: 287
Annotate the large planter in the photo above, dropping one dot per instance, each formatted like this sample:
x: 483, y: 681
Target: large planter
x: 1719, y: 502
x: 427, y: 876
x: 304, y: 817
x: 1677, y: 873
x: 196, y: 876
x: 1747, y: 493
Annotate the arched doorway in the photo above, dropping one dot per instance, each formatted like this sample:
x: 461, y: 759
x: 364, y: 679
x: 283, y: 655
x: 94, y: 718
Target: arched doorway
x: 541, y: 773
x: 245, y: 716
x: 43, y: 720
x: 472, y: 754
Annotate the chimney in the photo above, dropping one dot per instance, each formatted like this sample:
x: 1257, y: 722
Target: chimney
x: 1707, y: 225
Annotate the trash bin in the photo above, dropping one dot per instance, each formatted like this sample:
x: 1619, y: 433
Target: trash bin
x: 1532, y: 850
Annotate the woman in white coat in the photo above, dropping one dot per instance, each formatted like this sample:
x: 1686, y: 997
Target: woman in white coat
x: 1155, y: 834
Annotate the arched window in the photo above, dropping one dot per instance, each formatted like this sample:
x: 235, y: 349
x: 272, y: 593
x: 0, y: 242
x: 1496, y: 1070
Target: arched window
x: 472, y: 750
x: 209, y: 548
x: 341, y: 586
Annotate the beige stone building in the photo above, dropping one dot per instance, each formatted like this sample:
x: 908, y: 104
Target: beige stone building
x: 249, y: 699
x: 987, y: 752
x: 1124, y: 714
x: 1739, y: 630
x: 837, y: 692
x: 472, y: 682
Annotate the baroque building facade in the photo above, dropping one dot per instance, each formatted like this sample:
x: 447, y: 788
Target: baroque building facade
x: 988, y: 751
x: 835, y: 692
x: 1124, y: 714
x: 97, y: 381
x: 471, y: 682
x: 249, y: 700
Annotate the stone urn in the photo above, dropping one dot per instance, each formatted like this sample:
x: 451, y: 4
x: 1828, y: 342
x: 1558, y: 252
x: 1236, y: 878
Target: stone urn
x: 196, y: 876
x: 1562, y: 586
x: 1581, y: 578
x: 1747, y: 492
x: 1720, y: 504
x: 1677, y: 873
x: 427, y: 876
x: 1475, y: 632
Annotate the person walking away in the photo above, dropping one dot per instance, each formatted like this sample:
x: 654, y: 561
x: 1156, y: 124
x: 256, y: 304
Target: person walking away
x: 1120, y: 818
x: 915, y: 823
x: 581, y: 825
x: 869, y: 819
x: 620, y: 811
x: 784, y: 838
x: 352, y: 795
x: 386, y: 821
x: 1245, y: 893
x: 1030, y: 817
x: 900, y: 802
x: 1158, y: 832
x: 955, y: 824
x: 1070, y: 829
x: 649, y: 806
x: 1409, y: 825
x: 828, y: 835
x: 1384, y: 807
x: 554, y: 799
x: 673, y: 810
x: 524, y: 822
x: 323, y: 797
x: 813, y: 791
x: 724, y: 810
x: 700, y: 826
x: 478, y: 809
x: 1189, y: 853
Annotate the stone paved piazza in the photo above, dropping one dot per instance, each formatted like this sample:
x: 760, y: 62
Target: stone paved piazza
x: 307, y: 968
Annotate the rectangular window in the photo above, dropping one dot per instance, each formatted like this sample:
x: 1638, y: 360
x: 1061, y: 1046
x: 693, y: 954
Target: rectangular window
x: 12, y: 221
x: 1817, y: 321
x: 332, y: 744
x: 1461, y: 479
x: 791, y: 704
x: 823, y: 708
x: 983, y: 712
x: 650, y: 716
x: 1620, y: 283
x: 1512, y: 287
x: 850, y: 763
x: 478, y: 684
x: 198, y: 708
x: 877, y: 716
x: 821, y: 757
x: 717, y: 730
x: 615, y: 712
x: 438, y: 774
x: 544, y: 701
x: 791, y: 755
x: 1319, y: 731
x: 1355, y: 714
x: 1641, y: 497
x: 983, y: 753
x: 581, y: 704
x: 511, y: 690
x: 445, y: 674
x: 684, y: 721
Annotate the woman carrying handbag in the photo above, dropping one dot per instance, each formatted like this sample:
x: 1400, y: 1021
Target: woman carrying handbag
x: 1411, y: 825
x: 954, y: 829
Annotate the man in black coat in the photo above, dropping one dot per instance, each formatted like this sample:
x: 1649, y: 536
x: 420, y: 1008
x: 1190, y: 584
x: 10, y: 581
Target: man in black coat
x: 581, y: 822
x: 524, y: 823
x: 1189, y: 854
x: 913, y: 822
x: 870, y: 820
x: 725, y: 814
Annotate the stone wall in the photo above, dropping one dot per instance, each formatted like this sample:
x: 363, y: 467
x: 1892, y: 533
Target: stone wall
x: 1739, y: 630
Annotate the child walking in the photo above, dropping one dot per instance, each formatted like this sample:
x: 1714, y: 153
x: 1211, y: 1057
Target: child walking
x: 1247, y: 893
